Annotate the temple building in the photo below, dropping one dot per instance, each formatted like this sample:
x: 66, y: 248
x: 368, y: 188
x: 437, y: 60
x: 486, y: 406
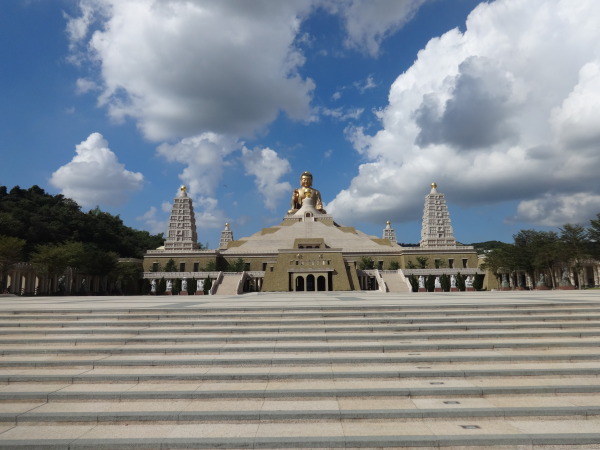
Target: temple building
x: 309, y: 251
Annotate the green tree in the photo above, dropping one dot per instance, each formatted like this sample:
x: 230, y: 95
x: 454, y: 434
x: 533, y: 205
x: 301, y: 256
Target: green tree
x: 414, y: 282
x: 423, y: 262
x: 192, y: 286
x: 536, y: 251
x: 11, y: 252
x: 53, y: 259
x: 573, y: 247
x: 236, y: 266
x: 176, y: 286
x: 460, y: 282
x: 445, y: 282
x: 366, y: 263
x: 211, y: 266
x: 128, y: 275
x: 171, y: 266
x: 430, y: 283
x: 394, y: 265
x: 593, y: 235
x: 478, y: 281
x: 207, y: 285
x: 161, y: 286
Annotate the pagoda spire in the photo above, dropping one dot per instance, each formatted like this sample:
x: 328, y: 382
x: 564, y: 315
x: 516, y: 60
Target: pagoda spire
x: 182, y: 234
x: 389, y: 233
x: 226, y: 237
x: 436, y: 229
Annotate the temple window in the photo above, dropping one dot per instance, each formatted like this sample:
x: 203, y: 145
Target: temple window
x: 182, y: 267
x: 451, y: 263
x: 465, y: 262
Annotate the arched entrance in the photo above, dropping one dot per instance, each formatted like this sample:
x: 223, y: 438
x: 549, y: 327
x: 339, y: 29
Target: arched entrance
x: 321, y: 285
x: 299, y: 283
x: 310, y: 282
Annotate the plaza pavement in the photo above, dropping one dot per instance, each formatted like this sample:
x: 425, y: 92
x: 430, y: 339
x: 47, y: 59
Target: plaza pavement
x: 515, y: 369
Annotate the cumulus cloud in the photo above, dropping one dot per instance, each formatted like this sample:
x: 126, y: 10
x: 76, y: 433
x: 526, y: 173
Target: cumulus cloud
x: 153, y: 222
x: 95, y: 176
x: 203, y: 157
x: 553, y: 210
x: 183, y: 68
x: 267, y: 168
x: 369, y: 22
x: 84, y: 85
x: 505, y: 111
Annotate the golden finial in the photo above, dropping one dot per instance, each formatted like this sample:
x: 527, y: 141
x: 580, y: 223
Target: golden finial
x: 433, y: 185
x: 388, y: 223
x: 183, y: 188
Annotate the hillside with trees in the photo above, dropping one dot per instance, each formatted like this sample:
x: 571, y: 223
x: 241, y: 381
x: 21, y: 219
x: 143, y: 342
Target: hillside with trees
x: 52, y: 233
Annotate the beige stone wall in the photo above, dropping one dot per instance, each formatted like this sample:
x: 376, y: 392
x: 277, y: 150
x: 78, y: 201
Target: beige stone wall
x: 277, y: 275
x: 443, y: 257
x: 189, y: 260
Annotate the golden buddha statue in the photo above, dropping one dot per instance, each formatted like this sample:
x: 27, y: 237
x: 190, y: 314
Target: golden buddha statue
x: 306, y: 191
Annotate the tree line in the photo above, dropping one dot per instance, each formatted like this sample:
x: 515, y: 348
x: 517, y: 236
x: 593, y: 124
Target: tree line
x: 548, y: 252
x: 52, y: 233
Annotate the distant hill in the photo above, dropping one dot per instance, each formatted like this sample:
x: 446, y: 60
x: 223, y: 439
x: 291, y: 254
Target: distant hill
x: 40, y: 218
x: 484, y: 247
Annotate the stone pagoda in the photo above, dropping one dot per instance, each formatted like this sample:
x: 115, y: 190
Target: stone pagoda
x: 182, y: 234
x: 436, y: 229
x: 389, y: 233
x: 226, y: 237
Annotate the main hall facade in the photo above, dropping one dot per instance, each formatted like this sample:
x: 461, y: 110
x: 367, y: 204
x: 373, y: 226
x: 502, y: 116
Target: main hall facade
x: 309, y: 251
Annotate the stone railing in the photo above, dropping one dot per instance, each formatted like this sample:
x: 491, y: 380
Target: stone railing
x: 180, y: 275
x: 444, y: 271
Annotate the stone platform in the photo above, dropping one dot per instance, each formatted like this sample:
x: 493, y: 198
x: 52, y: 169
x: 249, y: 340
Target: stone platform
x: 312, y: 370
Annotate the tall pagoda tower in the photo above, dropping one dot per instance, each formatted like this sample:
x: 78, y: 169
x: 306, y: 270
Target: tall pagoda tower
x: 389, y: 233
x: 436, y: 229
x: 226, y: 237
x: 182, y: 233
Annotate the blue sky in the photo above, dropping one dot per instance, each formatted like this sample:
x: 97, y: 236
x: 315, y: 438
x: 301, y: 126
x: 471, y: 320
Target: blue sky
x: 118, y: 103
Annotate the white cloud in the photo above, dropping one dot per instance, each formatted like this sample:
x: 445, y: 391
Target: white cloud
x: 183, y: 68
x: 365, y: 85
x: 505, y: 111
x: 84, y: 85
x: 95, y: 176
x: 153, y: 223
x: 369, y: 22
x: 203, y: 157
x: 268, y: 168
x: 556, y: 210
x: 342, y: 114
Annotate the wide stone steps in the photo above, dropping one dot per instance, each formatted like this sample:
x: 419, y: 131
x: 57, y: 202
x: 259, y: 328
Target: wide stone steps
x: 520, y: 376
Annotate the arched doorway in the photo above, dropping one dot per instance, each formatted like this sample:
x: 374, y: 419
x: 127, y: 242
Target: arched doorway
x: 299, y: 283
x: 310, y: 282
x: 321, y: 286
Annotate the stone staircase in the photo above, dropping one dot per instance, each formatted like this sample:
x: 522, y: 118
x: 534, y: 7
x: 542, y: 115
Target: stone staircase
x: 348, y: 375
x: 395, y: 281
x: 230, y: 283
